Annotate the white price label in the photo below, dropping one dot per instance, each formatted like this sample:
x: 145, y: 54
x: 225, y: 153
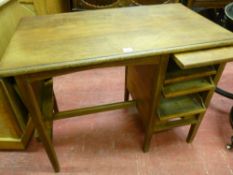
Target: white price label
x: 127, y: 50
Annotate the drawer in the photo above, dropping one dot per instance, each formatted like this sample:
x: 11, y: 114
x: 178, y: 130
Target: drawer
x: 175, y: 74
x: 188, y: 87
x: 180, y: 106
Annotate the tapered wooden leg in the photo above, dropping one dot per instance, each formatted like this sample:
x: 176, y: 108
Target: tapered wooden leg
x: 126, y: 96
x: 36, y: 115
x: 192, y: 132
x: 194, y: 127
x: 47, y: 104
x: 56, y: 109
x: 147, y: 140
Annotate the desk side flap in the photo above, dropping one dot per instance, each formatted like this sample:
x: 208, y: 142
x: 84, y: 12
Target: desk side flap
x: 204, y: 57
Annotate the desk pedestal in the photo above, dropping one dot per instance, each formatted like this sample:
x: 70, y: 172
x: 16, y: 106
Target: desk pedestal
x: 175, y: 92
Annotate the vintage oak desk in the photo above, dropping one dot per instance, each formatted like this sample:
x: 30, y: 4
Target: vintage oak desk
x: 144, y: 39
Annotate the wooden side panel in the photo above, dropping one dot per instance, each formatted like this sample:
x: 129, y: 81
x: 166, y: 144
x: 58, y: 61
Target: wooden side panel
x: 144, y: 83
x: 140, y: 83
x: 8, y: 125
x: 15, y: 127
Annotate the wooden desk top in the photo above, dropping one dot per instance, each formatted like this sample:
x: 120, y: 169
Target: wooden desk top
x: 92, y: 37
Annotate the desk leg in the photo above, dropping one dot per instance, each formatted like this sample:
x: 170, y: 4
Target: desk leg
x: 194, y: 128
x: 126, y: 97
x: 154, y: 105
x: 28, y: 94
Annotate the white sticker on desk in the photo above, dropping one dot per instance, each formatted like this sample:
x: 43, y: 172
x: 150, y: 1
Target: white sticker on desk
x: 127, y: 50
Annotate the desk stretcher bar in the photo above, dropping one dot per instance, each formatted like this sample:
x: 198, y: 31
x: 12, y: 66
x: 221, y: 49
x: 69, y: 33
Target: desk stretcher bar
x: 95, y: 109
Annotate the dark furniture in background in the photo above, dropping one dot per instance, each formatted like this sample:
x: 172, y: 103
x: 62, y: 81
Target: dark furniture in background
x: 78, y: 5
x: 206, y: 3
